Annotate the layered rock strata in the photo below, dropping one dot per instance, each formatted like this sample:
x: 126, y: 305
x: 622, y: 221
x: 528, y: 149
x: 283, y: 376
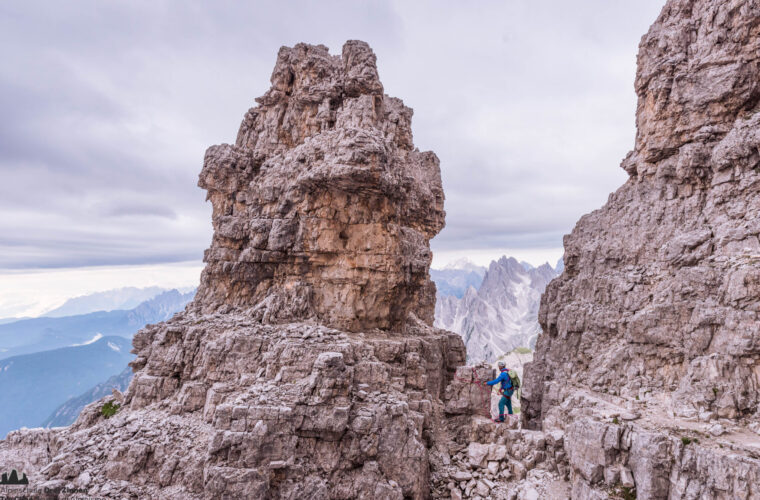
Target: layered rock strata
x: 323, y: 207
x: 656, y: 312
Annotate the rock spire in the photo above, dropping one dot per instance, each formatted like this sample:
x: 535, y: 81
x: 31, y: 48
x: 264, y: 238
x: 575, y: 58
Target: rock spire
x: 323, y: 208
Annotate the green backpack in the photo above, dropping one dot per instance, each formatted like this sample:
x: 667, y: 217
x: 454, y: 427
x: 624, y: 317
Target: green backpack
x: 516, y: 385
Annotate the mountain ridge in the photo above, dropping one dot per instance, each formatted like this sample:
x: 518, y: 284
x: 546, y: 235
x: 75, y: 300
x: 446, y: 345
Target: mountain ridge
x: 45, y: 333
x: 109, y: 300
x: 33, y: 385
x: 500, y: 314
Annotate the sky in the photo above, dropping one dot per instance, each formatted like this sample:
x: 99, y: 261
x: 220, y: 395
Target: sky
x: 108, y: 107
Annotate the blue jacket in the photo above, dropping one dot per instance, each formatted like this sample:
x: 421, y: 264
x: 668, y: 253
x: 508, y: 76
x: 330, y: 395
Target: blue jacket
x: 506, y: 382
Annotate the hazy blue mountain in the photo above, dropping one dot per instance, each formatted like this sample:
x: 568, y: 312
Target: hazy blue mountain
x: 11, y: 320
x: 42, y: 334
x: 110, y: 300
x: 68, y: 412
x: 457, y: 277
x: 32, y: 386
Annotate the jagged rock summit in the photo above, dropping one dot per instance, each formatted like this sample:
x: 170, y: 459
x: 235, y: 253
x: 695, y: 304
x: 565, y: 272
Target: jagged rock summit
x: 323, y: 208
x: 307, y: 362
x: 657, y: 309
x: 501, y: 314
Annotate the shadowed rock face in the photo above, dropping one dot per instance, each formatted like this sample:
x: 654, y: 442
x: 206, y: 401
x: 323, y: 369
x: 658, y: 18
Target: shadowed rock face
x: 323, y: 208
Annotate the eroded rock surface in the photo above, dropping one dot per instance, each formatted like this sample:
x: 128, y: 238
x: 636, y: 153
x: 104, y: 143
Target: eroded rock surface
x: 323, y: 208
x: 658, y: 304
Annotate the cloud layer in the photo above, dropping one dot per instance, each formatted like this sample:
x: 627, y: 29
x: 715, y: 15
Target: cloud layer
x: 109, y: 106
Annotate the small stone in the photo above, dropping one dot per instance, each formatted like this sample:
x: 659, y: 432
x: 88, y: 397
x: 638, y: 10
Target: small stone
x: 482, y: 488
x: 611, y: 476
x: 493, y: 467
x: 476, y: 454
x: 706, y: 416
x: 462, y: 475
x: 518, y: 470
x: 716, y: 430
x: 626, y: 477
x: 497, y: 452
x: 531, y: 494
x: 754, y: 427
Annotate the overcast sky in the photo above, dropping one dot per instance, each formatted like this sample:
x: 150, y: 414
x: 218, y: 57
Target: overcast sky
x: 108, y: 107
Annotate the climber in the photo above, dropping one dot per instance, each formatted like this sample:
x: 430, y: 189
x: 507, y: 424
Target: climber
x: 506, y: 391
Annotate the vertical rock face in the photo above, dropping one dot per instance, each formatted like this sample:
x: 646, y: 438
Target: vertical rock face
x: 663, y: 278
x: 307, y: 365
x: 658, y: 304
x: 323, y: 208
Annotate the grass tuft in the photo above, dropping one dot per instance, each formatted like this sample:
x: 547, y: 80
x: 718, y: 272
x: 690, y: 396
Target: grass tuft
x: 109, y: 409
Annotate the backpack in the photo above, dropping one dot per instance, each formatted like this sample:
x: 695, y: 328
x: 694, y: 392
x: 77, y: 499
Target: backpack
x: 515, y: 378
x: 507, y: 387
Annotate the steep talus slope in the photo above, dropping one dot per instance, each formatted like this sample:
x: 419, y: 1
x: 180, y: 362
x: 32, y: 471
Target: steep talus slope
x: 657, y: 308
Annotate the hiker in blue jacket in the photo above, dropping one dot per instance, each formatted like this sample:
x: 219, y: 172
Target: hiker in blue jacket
x: 506, y: 391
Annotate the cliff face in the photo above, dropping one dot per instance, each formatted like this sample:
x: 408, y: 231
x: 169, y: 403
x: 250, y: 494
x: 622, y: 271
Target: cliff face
x: 658, y: 304
x: 323, y: 208
x: 663, y: 278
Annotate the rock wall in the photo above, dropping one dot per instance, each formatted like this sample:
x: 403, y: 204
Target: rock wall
x: 657, y: 309
x: 662, y: 278
x: 323, y: 208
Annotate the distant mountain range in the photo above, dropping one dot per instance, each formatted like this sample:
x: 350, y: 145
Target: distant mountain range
x: 68, y: 412
x: 456, y: 281
x: 497, y: 315
x: 110, y: 300
x: 40, y: 334
x: 32, y: 386
x: 51, y: 367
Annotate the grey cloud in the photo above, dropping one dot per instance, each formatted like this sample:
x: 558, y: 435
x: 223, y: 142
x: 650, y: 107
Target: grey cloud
x: 137, y: 210
x: 108, y: 108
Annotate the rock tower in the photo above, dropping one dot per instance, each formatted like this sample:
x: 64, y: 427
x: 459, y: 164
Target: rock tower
x: 307, y: 363
x: 323, y: 208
